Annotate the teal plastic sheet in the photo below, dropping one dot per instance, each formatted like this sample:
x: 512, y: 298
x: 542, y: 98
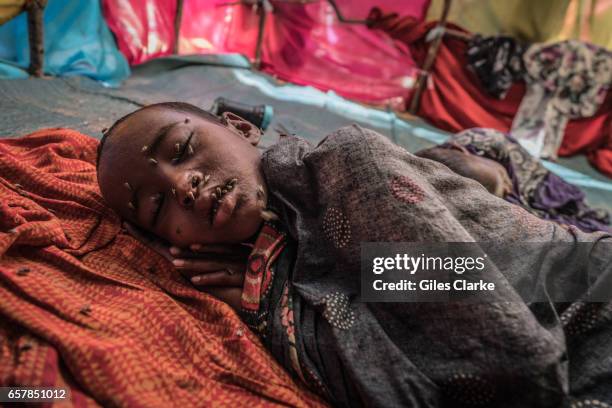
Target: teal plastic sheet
x: 77, y: 42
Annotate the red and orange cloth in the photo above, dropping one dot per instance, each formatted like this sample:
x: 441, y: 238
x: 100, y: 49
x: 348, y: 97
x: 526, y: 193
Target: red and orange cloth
x: 87, y: 307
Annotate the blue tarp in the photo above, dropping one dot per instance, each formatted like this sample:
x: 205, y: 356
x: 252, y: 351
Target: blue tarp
x: 77, y: 42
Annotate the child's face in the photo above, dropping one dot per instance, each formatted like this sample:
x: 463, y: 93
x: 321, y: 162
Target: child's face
x: 162, y: 170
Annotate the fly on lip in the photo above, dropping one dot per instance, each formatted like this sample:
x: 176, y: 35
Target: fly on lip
x: 218, y: 194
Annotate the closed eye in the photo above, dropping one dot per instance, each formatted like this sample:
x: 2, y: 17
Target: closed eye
x: 181, y: 149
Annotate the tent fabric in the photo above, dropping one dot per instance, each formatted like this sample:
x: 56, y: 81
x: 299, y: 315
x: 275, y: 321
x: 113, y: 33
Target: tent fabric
x: 533, y: 21
x: 9, y: 9
x: 144, y: 29
x: 455, y: 100
x: 76, y: 40
x: 86, y: 307
x: 303, y: 43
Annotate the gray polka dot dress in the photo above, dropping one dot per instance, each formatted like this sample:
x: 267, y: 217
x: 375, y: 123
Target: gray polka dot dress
x: 355, y: 187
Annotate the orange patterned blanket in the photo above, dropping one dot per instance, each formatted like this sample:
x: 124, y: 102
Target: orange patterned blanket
x: 87, y: 307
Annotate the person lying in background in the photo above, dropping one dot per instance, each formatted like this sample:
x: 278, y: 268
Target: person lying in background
x: 498, y: 162
x: 198, y: 190
x: 492, y: 175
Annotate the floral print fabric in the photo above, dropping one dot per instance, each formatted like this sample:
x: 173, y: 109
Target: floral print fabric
x: 497, y: 61
x: 567, y: 80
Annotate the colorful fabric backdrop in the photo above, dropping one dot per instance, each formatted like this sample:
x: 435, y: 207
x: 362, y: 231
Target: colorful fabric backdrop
x: 77, y: 42
x: 455, y: 100
x: 86, y: 307
x: 9, y: 9
x: 303, y: 42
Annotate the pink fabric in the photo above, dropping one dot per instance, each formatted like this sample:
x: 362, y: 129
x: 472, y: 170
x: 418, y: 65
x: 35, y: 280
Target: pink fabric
x: 144, y: 29
x: 303, y: 43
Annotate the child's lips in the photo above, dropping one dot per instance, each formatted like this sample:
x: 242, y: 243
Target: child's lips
x: 218, y: 202
x: 224, y: 210
x: 204, y: 204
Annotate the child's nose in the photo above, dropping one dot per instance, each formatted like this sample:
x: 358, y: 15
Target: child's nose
x: 187, y: 189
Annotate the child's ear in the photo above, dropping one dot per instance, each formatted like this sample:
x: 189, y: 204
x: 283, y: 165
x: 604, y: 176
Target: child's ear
x: 245, y: 128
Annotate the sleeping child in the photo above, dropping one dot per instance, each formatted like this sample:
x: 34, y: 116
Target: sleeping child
x: 202, y: 188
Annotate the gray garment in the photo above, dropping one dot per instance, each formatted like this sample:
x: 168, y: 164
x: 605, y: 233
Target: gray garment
x: 356, y: 186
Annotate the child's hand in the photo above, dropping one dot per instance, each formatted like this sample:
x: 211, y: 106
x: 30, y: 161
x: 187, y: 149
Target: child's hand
x: 210, y: 265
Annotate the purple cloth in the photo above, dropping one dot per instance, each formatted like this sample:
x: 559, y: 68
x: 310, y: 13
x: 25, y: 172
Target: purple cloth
x: 564, y: 203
